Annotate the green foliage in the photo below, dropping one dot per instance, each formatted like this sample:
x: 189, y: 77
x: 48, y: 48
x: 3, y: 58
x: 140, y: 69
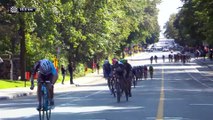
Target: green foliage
x: 171, y: 31
x: 193, y: 23
x: 84, y: 30
x: 79, y: 71
x: 12, y: 84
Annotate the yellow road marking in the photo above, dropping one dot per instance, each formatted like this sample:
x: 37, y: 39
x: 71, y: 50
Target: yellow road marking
x: 161, y: 101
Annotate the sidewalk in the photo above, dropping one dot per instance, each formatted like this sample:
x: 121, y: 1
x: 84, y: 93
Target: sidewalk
x: 25, y: 91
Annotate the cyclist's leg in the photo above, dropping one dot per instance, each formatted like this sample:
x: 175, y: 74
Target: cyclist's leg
x: 40, y: 78
x: 108, y: 82
x: 53, y: 79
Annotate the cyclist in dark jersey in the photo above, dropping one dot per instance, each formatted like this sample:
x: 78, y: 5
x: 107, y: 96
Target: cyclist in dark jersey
x: 151, y: 70
x: 46, y: 71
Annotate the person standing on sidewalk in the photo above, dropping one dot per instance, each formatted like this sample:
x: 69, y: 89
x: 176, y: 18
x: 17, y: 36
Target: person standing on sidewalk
x: 98, y: 67
x: 70, y: 69
x: 63, y: 72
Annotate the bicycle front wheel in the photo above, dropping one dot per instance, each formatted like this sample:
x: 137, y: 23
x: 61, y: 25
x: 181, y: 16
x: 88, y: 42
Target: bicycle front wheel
x: 42, y: 110
x: 48, y: 113
x: 42, y: 114
x: 46, y: 110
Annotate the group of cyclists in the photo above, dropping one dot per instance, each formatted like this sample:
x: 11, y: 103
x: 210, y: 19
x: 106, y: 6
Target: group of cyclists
x: 178, y: 57
x: 141, y: 72
x: 119, y: 68
x: 129, y: 74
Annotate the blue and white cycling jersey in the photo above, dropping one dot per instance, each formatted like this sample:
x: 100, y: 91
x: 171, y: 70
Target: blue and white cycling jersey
x: 46, y: 68
x: 53, y: 70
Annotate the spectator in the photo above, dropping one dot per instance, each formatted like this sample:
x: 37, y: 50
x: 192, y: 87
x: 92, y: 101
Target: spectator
x: 70, y: 69
x: 63, y: 72
x: 85, y: 69
x: 98, y: 67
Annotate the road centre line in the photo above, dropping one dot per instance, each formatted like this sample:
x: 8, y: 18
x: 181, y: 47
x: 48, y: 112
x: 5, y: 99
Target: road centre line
x: 161, y: 100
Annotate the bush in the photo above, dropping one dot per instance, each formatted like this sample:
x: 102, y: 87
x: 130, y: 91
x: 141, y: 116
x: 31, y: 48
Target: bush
x: 79, y: 71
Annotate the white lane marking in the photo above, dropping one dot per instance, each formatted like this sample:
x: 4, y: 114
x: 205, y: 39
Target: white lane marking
x: 195, y: 77
x: 201, y: 104
x: 88, y: 109
x: 198, y: 80
x: 168, y: 118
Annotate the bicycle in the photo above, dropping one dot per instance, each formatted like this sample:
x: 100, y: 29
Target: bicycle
x: 120, y: 87
x: 45, y: 106
x: 115, y: 87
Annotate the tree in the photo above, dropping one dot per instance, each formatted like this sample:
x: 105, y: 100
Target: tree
x: 194, y: 22
x: 170, y: 30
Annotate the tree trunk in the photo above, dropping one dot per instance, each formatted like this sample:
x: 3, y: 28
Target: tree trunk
x: 122, y: 50
x: 23, y: 49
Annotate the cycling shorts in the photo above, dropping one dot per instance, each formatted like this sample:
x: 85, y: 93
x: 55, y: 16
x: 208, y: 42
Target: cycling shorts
x: 42, y: 77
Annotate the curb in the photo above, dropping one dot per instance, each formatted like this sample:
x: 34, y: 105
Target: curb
x: 18, y: 93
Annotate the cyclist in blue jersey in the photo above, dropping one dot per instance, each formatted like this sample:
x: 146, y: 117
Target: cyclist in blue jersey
x: 46, y: 71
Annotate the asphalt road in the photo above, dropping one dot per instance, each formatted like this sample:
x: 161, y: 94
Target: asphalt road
x: 177, y: 92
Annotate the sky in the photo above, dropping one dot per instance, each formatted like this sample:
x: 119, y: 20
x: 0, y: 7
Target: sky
x: 166, y: 8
